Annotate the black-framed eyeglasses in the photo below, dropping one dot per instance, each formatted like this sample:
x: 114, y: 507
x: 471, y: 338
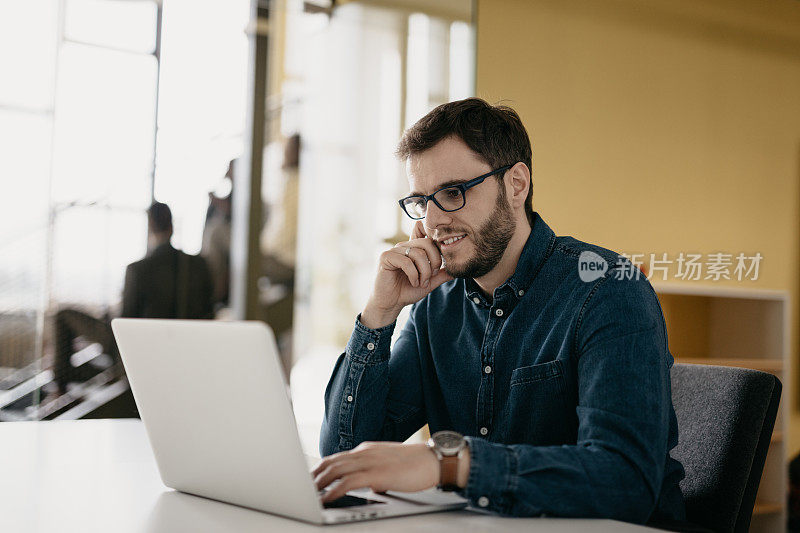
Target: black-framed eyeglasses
x: 450, y: 198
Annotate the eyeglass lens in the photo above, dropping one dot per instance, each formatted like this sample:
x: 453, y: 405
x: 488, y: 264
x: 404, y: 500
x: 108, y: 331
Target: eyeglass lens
x: 450, y: 199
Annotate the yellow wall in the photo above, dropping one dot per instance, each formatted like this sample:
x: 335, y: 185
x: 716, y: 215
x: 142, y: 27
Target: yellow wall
x: 660, y: 126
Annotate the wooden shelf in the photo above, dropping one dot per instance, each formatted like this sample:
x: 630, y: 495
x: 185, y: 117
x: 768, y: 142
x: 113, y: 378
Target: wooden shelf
x: 765, y: 364
x: 767, y: 508
x: 715, y: 291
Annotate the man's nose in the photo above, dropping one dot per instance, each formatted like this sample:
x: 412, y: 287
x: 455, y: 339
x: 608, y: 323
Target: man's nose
x: 436, y: 217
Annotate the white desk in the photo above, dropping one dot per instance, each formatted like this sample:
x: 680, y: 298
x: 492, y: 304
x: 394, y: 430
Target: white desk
x: 100, y: 475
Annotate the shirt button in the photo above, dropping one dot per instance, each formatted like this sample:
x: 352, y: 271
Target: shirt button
x: 499, y: 312
x: 484, y: 430
x: 521, y: 292
x: 370, y: 346
x: 476, y: 300
x: 349, y: 397
x: 487, y: 369
x: 483, y: 501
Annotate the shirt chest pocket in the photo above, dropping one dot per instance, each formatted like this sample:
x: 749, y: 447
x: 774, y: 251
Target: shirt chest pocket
x: 541, y: 372
x: 536, y: 411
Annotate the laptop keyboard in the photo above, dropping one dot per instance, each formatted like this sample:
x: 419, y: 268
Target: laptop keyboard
x: 348, y: 501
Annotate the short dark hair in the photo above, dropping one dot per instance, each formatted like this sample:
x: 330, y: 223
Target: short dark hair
x: 159, y: 218
x: 494, y: 132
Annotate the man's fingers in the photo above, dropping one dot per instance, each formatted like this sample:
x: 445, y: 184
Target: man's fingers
x: 433, y: 252
x: 336, y: 471
x: 420, y: 258
x: 419, y: 230
x: 322, y: 465
x: 347, y: 483
x: 325, y: 464
x: 400, y: 261
x: 424, y: 258
x: 433, y: 255
x: 327, y: 461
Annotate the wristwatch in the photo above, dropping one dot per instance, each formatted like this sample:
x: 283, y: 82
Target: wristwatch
x: 447, y: 445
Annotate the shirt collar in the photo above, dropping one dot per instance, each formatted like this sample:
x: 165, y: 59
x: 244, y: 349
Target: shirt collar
x: 537, y: 249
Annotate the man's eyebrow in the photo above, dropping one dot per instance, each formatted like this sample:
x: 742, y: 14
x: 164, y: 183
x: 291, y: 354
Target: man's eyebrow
x: 441, y: 186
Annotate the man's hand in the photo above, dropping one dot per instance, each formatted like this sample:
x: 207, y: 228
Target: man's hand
x: 406, y: 274
x: 380, y: 466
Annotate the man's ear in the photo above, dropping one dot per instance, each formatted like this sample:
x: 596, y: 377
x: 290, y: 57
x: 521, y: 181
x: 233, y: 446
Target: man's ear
x: 519, y: 178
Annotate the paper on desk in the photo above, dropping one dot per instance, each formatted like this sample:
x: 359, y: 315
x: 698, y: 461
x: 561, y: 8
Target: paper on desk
x: 430, y: 497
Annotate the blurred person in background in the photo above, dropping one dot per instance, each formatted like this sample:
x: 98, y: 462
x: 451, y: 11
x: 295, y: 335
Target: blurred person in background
x: 278, y: 245
x: 216, y: 245
x: 166, y: 283
x: 279, y: 237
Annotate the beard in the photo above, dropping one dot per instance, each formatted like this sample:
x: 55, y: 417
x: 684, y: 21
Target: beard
x: 491, y: 242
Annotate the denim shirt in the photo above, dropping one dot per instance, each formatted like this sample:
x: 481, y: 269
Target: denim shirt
x: 561, y: 386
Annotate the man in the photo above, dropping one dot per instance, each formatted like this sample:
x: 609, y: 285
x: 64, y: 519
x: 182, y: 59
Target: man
x: 167, y: 283
x: 559, y: 386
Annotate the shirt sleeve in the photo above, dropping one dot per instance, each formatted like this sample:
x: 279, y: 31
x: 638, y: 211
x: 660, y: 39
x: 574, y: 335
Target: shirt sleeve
x: 375, y: 392
x: 616, y: 467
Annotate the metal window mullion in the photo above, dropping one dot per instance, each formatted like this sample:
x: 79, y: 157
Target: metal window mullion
x: 157, y: 55
x: 47, y: 289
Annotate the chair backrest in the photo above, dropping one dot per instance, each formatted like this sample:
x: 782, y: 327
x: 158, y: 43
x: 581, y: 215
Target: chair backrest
x: 725, y: 421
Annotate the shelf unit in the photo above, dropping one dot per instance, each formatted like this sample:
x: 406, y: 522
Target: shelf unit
x: 748, y: 328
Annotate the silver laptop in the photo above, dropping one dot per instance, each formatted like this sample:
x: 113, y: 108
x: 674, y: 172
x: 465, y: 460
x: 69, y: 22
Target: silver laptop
x: 217, y: 413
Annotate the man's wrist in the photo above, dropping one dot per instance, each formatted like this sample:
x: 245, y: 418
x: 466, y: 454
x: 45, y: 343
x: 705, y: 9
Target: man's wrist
x: 375, y: 319
x: 452, y: 453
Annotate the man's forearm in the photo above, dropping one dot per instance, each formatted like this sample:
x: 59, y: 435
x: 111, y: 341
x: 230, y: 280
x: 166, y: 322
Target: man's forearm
x: 355, y: 399
x: 583, y: 480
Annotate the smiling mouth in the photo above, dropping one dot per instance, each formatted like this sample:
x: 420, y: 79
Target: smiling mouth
x: 444, y: 244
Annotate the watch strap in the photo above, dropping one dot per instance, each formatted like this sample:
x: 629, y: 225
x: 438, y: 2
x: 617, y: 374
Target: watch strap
x: 448, y: 476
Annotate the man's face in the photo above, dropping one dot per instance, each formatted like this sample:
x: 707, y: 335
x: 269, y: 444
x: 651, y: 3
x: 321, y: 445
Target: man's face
x: 483, y: 227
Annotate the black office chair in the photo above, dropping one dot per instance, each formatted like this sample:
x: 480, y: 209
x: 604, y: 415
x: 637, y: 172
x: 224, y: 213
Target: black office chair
x: 725, y: 421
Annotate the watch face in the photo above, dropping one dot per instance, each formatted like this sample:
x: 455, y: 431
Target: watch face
x: 448, y: 442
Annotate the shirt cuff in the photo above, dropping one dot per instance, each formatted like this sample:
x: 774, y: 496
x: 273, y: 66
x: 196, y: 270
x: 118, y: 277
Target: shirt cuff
x: 492, y: 475
x: 369, y: 345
